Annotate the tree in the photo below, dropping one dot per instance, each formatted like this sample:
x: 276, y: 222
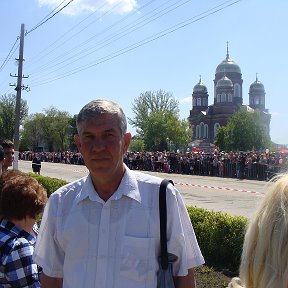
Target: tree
x: 150, y: 102
x: 32, y: 134
x: 244, y: 131
x: 7, y: 115
x: 55, y: 126
x: 51, y: 129
x: 136, y: 144
x: 163, y: 128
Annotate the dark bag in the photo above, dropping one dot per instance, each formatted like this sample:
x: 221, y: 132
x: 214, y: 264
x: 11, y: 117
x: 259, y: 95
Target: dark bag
x: 165, y: 275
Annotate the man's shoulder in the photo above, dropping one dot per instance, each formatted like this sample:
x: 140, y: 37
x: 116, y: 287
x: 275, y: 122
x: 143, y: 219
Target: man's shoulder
x: 70, y: 188
x: 146, y: 178
x: 147, y: 182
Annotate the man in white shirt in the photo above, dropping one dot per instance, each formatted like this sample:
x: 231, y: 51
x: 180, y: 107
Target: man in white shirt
x: 103, y: 230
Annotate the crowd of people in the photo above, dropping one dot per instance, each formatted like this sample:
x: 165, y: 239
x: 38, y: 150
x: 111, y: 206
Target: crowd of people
x: 113, y: 202
x: 242, y: 165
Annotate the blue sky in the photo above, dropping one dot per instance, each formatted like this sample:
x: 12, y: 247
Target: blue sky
x: 119, y: 49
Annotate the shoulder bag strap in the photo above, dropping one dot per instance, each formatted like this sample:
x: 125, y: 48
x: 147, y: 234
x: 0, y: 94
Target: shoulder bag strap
x: 163, y: 222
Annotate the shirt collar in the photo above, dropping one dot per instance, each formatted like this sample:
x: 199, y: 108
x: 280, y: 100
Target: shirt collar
x: 128, y: 187
x: 17, y: 231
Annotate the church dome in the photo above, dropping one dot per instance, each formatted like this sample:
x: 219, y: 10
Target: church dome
x: 228, y: 65
x: 200, y: 87
x: 224, y: 82
x: 256, y: 86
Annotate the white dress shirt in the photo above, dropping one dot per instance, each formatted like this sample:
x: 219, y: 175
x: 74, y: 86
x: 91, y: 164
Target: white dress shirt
x: 115, y: 244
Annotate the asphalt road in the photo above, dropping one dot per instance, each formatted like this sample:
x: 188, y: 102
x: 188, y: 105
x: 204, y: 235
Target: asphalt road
x: 235, y: 197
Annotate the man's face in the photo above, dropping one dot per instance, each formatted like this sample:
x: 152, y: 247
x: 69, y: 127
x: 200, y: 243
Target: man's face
x: 8, y: 157
x: 103, y: 146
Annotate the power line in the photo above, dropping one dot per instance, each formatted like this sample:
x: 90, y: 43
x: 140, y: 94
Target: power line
x: 143, y: 42
x: 9, y: 55
x: 48, y: 18
x: 40, y: 54
x: 65, y: 53
x: 110, y: 39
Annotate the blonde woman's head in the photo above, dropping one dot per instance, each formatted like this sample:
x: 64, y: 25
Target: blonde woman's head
x: 265, y: 252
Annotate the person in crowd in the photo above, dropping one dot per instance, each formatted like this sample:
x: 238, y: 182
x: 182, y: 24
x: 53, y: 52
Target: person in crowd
x: 36, y: 164
x: 8, y: 147
x: 1, y: 158
x: 264, y: 261
x: 22, y: 199
x: 114, y: 214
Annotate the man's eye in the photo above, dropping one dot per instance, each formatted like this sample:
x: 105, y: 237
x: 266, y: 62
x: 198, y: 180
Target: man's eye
x: 109, y: 134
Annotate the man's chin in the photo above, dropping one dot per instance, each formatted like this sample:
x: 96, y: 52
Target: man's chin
x: 102, y: 167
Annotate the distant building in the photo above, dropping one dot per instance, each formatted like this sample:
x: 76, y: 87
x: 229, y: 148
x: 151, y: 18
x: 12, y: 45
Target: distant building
x: 205, y: 120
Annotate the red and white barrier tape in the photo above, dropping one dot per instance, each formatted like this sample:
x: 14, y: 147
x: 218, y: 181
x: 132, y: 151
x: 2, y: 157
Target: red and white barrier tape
x: 219, y: 188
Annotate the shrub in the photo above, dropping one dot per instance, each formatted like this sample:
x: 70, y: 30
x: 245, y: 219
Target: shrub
x: 220, y: 237
x: 50, y: 184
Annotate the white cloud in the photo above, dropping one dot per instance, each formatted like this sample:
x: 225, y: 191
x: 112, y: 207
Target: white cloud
x: 88, y: 6
x: 185, y: 100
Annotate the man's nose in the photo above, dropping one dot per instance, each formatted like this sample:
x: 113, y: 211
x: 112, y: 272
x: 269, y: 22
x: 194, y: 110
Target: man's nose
x: 98, y: 144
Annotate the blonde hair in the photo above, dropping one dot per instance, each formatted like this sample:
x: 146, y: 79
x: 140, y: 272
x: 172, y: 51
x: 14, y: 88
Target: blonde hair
x: 264, y: 260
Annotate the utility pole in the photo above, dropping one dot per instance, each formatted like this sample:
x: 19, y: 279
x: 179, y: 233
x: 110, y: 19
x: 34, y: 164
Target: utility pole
x: 18, y: 89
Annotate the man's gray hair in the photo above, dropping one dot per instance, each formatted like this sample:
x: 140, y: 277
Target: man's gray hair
x: 99, y: 107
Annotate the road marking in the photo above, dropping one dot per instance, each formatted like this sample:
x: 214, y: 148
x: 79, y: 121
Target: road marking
x: 219, y: 188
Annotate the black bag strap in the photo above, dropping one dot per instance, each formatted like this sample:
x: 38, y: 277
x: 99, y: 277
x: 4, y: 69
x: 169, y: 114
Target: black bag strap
x: 163, y: 222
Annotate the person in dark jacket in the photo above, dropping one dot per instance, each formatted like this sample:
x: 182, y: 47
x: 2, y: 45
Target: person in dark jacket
x: 36, y: 164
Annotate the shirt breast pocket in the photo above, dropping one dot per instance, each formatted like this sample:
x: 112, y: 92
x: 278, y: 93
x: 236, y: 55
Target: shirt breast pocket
x: 138, y: 260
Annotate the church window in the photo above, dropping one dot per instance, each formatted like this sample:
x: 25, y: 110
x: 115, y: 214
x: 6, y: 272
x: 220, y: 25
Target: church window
x: 194, y: 102
x: 223, y: 97
x: 197, y: 131
x: 216, y: 127
x: 201, y: 130
x: 229, y: 97
x: 218, y: 98
x: 205, y: 131
x: 237, y: 90
x: 257, y: 102
x: 198, y: 101
x: 262, y: 100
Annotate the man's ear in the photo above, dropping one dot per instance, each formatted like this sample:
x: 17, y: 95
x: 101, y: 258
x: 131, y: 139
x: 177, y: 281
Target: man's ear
x: 77, y: 141
x: 127, y: 140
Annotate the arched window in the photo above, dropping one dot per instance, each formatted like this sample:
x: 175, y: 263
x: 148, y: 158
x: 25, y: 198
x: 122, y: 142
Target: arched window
x: 197, y: 132
x: 229, y: 97
x: 262, y: 100
x: 198, y: 101
x: 223, y: 97
x: 216, y: 127
x: 194, y: 102
x: 218, y: 97
x: 206, y: 131
x: 201, y: 130
x: 257, y: 102
x: 237, y: 90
